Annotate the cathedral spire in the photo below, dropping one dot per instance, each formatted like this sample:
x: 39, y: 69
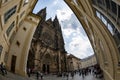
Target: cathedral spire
x: 42, y: 13
x: 49, y: 21
x: 56, y: 19
x: 56, y: 23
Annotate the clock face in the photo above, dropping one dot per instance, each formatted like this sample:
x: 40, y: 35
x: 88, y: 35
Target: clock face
x: 47, y: 39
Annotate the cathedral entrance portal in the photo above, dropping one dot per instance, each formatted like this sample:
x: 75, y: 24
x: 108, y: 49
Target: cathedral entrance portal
x: 48, y: 69
x: 46, y: 63
x: 13, y: 63
x: 45, y: 68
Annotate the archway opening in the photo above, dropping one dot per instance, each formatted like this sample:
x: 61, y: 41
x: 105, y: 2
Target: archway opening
x: 72, y: 32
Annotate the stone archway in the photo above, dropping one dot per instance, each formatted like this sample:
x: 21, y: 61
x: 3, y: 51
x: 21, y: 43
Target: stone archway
x: 94, y: 29
x: 102, y: 42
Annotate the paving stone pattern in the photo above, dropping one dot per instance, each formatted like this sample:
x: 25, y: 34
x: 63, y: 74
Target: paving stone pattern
x: 11, y: 76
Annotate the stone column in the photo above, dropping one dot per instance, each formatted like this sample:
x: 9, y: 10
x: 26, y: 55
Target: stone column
x: 59, y: 58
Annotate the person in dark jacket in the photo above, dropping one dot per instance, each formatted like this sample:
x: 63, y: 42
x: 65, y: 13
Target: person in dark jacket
x: 3, y: 69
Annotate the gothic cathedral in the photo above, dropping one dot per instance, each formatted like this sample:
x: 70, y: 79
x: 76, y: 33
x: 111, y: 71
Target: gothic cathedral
x: 47, y: 53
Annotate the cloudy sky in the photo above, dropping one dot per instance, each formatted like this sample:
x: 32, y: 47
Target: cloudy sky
x: 76, y: 41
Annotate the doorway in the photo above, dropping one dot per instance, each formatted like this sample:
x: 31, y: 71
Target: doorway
x: 46, y: 68
x: 13, y: 63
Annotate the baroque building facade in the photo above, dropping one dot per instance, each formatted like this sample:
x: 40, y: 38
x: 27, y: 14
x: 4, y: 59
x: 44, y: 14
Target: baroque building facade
x: 88, y: 62
x: 17, y: 26
x: 101, y: 20
x: 73, y: 63
x: 47, y: 46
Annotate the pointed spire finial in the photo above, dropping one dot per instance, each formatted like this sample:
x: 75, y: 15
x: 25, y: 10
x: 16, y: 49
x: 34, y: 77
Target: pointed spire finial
x: 42, y: 11
x: 56, y: 17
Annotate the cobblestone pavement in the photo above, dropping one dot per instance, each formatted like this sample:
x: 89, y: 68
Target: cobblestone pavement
x: 11, y: 76
x: 76, y: 77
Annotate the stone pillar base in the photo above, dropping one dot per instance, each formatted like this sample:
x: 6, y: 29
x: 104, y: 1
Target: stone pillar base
x: 20, y: 72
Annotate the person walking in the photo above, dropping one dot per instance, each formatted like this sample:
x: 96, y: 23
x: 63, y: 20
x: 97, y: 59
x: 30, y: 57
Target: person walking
x: 29, y: 72
x: 67, y: 75
x: 37, y: 75
x: 41, y: 75
x: 83, y: 73
x: 3, y: 69
x: 72, y: 74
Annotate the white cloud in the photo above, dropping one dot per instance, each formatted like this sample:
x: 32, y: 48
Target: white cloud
x: 55, y: 2
x: 64, y: 14
x: 79, y: 44
x: 67, y: 32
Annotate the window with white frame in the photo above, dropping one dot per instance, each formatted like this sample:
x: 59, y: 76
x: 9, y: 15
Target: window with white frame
x: 98, y: 14
x: 9, y: 13
x: 10, y: 28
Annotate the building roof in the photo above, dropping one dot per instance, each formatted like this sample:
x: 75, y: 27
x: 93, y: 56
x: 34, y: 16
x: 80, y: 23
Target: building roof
x: 72, y: 56
x: 87, y: 58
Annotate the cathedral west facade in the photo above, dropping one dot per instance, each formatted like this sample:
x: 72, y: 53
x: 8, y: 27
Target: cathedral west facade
x: 47, y: 53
